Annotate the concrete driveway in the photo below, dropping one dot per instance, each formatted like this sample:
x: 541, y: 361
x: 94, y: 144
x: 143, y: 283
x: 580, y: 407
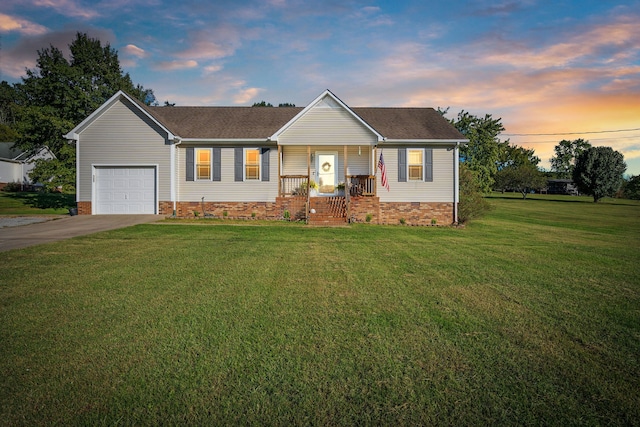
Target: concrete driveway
x: 66, y: 227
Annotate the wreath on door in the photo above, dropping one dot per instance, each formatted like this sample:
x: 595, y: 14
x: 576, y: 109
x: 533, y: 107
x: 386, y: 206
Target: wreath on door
x: 326, y: 166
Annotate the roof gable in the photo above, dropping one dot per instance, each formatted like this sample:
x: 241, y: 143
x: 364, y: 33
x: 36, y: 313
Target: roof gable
x: 326, y: 100
x: 118, y: 97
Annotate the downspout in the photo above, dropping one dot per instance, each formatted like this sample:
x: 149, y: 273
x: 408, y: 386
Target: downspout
x: 456, y: 182
x: 174, y: 176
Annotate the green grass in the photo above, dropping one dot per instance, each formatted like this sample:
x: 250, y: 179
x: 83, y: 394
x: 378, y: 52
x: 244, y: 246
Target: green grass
x: 528, y: 316
x: 35, y: 203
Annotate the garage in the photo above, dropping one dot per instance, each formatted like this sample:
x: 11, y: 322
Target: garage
x: 123, y: 190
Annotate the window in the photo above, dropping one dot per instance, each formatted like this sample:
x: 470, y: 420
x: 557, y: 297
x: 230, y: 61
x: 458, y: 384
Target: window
x: 415, y: 164
x: 203, y: 163
x: 252, y: 163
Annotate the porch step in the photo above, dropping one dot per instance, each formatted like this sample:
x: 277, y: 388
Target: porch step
x: 328, y: 211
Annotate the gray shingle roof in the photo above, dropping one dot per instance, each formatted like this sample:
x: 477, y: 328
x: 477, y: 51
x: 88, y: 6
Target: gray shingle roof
x: 262, y: 122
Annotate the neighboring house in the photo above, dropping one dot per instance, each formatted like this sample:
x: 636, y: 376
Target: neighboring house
x: 16, y: 164
x: 561, y: 186
x: 259, y: 162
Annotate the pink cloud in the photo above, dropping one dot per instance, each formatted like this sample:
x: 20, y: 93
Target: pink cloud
x: 68, y: 8
x: 11, y: 23
x: 176, y: 65
x: 134, y: 50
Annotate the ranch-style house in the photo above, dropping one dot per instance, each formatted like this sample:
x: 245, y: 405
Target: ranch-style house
x: 322, y: 163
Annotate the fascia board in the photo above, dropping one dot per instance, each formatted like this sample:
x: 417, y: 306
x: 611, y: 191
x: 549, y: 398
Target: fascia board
x: 226, y: 141
x: 425, y: 141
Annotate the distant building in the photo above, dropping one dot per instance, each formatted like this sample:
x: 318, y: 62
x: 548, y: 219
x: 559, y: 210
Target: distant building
x: 561, y: 186
x: 15, y: 164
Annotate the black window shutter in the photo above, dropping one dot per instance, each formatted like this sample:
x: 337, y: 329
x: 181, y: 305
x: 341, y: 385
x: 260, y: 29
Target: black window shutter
x: 402, y: 165
x: 238, y: 163
x: 428, y: 165
x: 190, y: 167
x: 265, y: 164
x: 216, y: 164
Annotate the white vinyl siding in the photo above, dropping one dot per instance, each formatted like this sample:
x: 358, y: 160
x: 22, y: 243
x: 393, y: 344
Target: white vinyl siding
x: 324, y: 125
x: 294, y: 160
x: 123, y: 136
x: 227, y: 189
x: 441, y: 189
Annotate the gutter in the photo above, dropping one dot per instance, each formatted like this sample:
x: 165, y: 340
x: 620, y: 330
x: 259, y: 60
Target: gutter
x: 174, y: 187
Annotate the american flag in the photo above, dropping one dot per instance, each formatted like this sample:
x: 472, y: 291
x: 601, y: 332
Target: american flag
x: 383, y: 172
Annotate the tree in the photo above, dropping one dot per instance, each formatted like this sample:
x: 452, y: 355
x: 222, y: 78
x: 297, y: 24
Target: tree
x: 262, y: 104
x: 268, y: 104
x: 513, y: 155
x: 632, y: 188
x: 60, y: 93
x: 483, y: 152
x: 522, y: 178
x: 566, y: 154
x: 598, y: 172
x: 472, y: 203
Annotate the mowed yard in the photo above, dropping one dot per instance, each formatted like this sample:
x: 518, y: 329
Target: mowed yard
x: 530, y: 315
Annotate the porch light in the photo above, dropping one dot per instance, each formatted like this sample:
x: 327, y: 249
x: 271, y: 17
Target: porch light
x: 359, y: 151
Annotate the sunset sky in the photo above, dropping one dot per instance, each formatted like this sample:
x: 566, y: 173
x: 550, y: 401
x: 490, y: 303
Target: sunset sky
x: 551, y: 70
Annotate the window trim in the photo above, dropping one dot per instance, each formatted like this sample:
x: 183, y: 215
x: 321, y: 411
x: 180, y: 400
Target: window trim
x: 258, y: 163
x: 196, y: 176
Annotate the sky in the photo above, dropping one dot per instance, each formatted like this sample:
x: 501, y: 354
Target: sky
x: 551, y: 70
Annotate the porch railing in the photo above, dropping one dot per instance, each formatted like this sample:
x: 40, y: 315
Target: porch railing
x: 359, y: 185
x: 362, y: 185
x: 293, y: 185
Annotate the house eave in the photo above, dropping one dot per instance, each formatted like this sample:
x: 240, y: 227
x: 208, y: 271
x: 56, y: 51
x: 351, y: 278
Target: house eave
x: 425, y: 141
x: 226, y: 141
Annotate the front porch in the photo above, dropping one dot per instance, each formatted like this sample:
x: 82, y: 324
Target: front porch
x: 326, y: 204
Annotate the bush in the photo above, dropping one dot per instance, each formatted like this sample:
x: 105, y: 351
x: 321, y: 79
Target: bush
x: 13, y: 187
x: 472, y: 203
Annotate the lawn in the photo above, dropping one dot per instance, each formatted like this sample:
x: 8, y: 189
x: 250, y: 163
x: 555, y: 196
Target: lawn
x: 530, y: 315
x: 35, y: 203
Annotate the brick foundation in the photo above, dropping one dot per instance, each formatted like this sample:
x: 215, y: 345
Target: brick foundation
x: 413, y: 213
x: 164, y: 208
x: 361, y: 207
x: 84, y: 208
x: 416, y: 213
x: 240, y: 210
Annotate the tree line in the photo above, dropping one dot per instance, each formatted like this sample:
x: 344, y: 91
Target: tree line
x: 494, y: 164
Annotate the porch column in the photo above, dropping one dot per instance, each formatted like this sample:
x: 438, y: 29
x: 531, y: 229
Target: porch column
x: 375, y: 170
x: 346, y: 184
x: 308, y: 208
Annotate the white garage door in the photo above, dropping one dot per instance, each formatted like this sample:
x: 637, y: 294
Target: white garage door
x: 125, y: 190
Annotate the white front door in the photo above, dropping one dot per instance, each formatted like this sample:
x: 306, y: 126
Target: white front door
x: 326, y: 167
